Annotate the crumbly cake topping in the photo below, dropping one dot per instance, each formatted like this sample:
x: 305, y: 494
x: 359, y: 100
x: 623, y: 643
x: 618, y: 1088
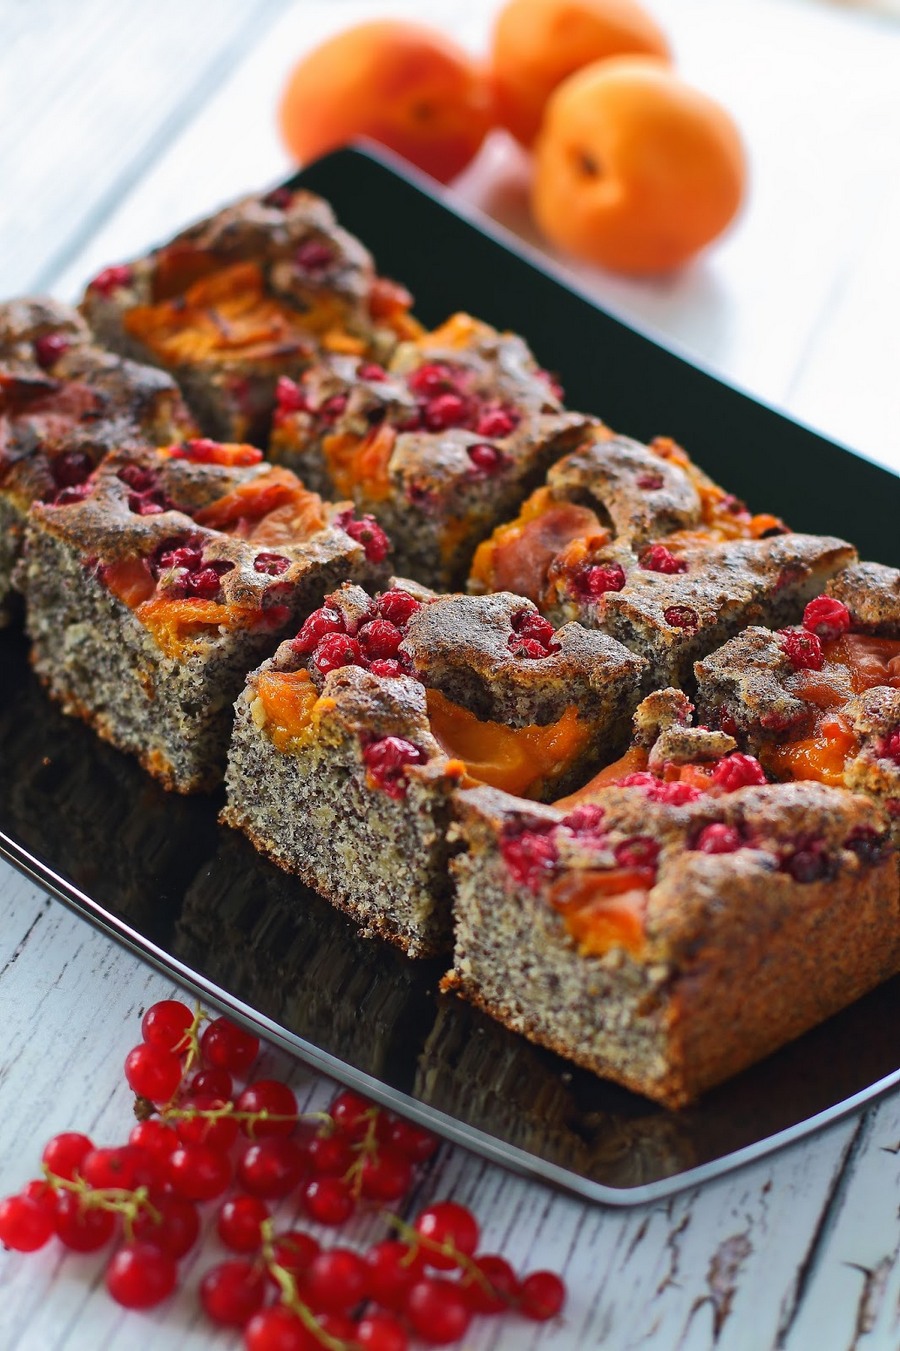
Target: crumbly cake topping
x: 634, y: 492
x: 817, y: 701
x: 269, y: 229
x: 687, y: 583
x: 793, y: 679
x: 503, y: 638
x: 523, y: 732
x: 493, y: 654
x: 611, y: 491
x: 39, y: 329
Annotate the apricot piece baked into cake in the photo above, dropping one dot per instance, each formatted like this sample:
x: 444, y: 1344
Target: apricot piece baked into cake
x: 64, y: 404
x: 440, y: 446
x: 162, y: 579
x: 254, y: 292
x: 350, y: 743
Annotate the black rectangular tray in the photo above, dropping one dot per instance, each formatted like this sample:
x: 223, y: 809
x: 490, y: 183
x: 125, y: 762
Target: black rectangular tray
x: 158, y: 874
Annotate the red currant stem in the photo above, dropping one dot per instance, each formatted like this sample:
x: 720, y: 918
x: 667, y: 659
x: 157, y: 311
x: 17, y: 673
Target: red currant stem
x: 188, y: 1042
x: 291, y: 1300
x: 118, y: 1200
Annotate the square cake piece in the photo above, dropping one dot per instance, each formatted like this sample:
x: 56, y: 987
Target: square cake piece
x: 669, y: 946
x: 819, y: 700
x: 349, y: 744
x: 172, y: 573
x: 64, y: 404
x: 439, y: 447
x: 254, y: 292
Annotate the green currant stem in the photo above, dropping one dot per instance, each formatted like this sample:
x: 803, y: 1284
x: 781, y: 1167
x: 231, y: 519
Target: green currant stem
x: 252, y: 1119
x: 118, y: 1200
x: 266, y: 1237
x: 290, y: 1298
x: 366, y: 1148
x: 447, y: 1249
x: 190, y: 1042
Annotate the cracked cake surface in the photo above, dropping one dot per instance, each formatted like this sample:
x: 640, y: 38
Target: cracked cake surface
x: 819, y: 700
x: 385, y: 702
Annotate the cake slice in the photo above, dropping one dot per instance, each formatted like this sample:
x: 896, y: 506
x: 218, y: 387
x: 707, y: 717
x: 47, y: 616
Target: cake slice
x: 64, y: 404
x: 254, y: 292
x: 154, y: 586
x: 348, y: 789
x: 350, y: 743
x: 819, y: 700
x: 439, y: 447
x: 668, y: 946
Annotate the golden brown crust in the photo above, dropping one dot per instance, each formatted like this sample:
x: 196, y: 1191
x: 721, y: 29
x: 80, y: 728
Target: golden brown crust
x: 467, y: 647
x: 378, y: 435
x: 247, y: 295
x: 253, y: 229
x: 750, y: 677
x: 752, y: 684
x: 673, y: 618
x: 799, y: 959
x: 25, y: 319
x: 75, y: 401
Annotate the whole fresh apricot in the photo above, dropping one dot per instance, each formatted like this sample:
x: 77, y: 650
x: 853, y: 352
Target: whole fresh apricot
x: 538, y: 43
x: 398, y: 83
x: 634, y: 169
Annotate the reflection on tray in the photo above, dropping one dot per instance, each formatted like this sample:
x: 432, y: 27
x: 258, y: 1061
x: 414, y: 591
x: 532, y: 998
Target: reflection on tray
x: 260, y: 933
x: 89, y: 811
x: 202, y: 894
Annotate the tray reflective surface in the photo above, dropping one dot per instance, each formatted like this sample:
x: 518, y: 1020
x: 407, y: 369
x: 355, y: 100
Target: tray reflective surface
x: 158, y: 873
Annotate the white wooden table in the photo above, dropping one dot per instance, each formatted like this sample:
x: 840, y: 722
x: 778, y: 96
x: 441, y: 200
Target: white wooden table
x: 119, y: 122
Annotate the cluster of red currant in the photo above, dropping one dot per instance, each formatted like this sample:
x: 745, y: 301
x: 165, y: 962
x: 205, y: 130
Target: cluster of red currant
x: 197, y: 1138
